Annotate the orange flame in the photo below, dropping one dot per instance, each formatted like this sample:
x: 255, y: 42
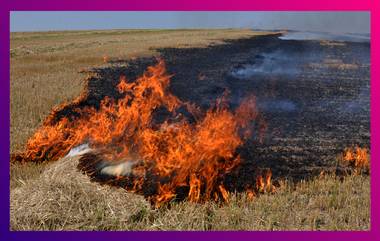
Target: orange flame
x: 179, y: 153
x: 105, y: 59
x: 195, y: 188
x: 224, y: 193
x: 260, y: 184
x: 357, y: 157
x: 250, y: 194
x: 264, y: 183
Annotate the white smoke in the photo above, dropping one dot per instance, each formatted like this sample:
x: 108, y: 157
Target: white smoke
x: 121, y: 169
x: 79, y: 150
x: 270, y: 64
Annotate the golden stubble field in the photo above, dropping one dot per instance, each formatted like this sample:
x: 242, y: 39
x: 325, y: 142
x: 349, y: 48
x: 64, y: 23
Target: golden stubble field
x: 46, y: 70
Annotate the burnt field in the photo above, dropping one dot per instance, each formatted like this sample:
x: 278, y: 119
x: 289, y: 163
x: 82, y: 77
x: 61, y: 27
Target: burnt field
x: 312, y: 102
x: 312, y: 95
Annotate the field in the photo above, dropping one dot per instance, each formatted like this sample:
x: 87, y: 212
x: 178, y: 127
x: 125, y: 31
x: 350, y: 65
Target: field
x: 312, y: 193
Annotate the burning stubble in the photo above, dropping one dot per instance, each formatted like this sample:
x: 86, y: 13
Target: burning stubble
x: 188, y: 154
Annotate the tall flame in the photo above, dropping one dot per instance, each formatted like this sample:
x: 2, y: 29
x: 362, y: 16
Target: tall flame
x: 176, y: 151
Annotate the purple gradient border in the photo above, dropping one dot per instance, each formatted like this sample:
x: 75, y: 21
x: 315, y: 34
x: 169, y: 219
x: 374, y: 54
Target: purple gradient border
x: 171, y: 5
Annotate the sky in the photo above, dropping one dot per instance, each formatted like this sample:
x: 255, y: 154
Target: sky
x: 335, y: 22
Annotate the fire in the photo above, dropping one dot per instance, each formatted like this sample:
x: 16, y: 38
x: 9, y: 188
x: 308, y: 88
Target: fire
x: 168, y: 155
x: 250, y: 195
x: 105, y: 59
x: 224, y: 193
x: 264, y: 183
x: 357, y: 157
x: 195, y: 188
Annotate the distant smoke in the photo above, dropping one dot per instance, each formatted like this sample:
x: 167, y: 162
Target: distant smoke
x: 277, y: 105
x: 275, y: 63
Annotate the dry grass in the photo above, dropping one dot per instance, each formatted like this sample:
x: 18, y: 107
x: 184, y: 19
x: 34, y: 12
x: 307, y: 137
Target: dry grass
x: 45, y: 72
x: 61, y: 198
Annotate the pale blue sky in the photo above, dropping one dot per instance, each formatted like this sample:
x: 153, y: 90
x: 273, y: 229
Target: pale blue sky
x: 338, y: 22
